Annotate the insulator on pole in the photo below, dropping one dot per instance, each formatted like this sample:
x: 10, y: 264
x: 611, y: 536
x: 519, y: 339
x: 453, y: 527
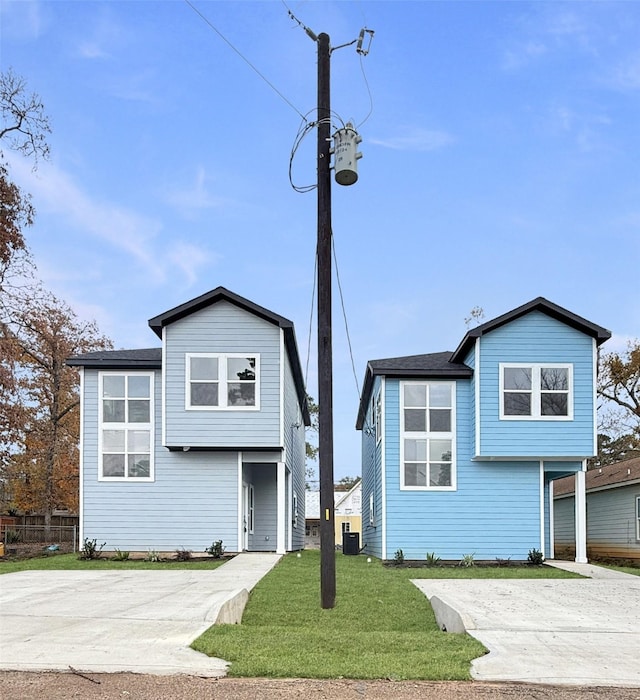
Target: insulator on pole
x: 346, y: 155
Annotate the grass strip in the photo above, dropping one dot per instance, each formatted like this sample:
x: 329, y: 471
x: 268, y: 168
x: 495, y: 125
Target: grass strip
x: 381, y: 627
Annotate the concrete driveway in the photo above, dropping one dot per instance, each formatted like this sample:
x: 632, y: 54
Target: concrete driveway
x: 112, y: 621
x: 556, y: 631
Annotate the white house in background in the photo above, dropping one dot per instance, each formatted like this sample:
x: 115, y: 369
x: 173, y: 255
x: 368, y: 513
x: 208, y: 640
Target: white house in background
x: 347, y: 514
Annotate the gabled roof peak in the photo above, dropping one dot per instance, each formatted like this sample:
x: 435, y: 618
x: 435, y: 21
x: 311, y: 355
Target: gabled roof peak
x: 538, y: 304
x: 209, y: 298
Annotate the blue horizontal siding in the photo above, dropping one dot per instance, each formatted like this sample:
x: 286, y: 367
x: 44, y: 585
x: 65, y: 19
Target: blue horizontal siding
x: 537, y: 338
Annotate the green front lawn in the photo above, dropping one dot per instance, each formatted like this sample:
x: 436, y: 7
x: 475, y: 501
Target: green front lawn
x: 69, y: 562
x: 381, y: 626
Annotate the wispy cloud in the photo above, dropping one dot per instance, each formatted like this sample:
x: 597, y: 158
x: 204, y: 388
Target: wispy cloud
x: 189, y: 259
x: 24, y: 20
x: 121, y: 228
x: 416, y: 139
x: 195, y: 197
x: 625, y: 76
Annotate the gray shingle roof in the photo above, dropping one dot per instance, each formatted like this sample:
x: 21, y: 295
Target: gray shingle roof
x: 141, y: 358
x: 435, y: 365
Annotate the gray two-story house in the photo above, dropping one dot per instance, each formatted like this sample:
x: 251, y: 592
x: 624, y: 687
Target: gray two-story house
x: 198, y: 440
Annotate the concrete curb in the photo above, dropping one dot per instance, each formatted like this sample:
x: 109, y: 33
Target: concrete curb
x: 448, y: 618
x: 231, y: 611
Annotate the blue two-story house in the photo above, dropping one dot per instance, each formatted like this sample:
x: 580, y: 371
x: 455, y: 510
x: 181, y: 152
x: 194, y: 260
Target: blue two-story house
x: 459, y: 448
x: 201, y: 439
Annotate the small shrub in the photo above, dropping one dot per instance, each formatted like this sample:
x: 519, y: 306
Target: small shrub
x: 467, y: 560
x: 399, y: 557
x: 432, y: 559
x: 120, y: 555
x: 216, y: 550
x: 535, y: 557
x: 183, y: 554
x: 152, y: 555
x: 12, y: 536
x: 90, y: 549
x: 503, y: 562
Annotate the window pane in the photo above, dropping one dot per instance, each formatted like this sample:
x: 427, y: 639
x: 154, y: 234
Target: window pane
x: 554, y: 405
x: 139, y: 387
x: 440, y: 451
x: 113, y: 386
x: 517, y: 404
x: 139, y: 411
x: 204, y: 368
x: 204, y: 395
x: 139, y: 466
x: 415, y: 474
x: 113, y: 465
x: 439, y: 475
x: 415, y: 450
x: 113, y: 411
x: 440, y: 420
x: 440, y: 395
x: 517, y: 378
x: 240, y: 394
x: 113, y: 440
x: 415, y: 395
x: 138, y: 441
x: 241, y: 368
x: 415, y: 420
x: 554, y: 379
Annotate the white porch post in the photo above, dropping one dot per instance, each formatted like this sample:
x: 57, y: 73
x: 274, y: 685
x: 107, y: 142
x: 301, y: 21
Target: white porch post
x: 581, y: 517
x: 282, y: 509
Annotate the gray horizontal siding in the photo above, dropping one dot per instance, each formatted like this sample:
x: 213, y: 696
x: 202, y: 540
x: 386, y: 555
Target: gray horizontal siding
x: 192, y: 501
x: 222, y: 328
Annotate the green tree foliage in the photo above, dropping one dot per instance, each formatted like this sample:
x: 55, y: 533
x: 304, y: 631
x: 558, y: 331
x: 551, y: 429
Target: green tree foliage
x: 346, y: 483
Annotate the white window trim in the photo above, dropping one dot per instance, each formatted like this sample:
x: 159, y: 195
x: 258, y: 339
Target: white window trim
x: 413, y: 435
x: 377, y: 408
x: 372, y: 509
x: 638, y: 518
x: 535, y: 390
x: 124, y: 426
x: 222, y: 381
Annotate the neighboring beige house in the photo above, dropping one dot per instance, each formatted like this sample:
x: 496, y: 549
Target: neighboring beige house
x: 613, y: 512
x: 347, y: 515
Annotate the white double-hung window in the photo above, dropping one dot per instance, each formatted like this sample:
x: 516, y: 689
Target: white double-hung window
x: 222, y: 381
x: 126, y: 426
x: 427, y: 444
x: 542, y: 391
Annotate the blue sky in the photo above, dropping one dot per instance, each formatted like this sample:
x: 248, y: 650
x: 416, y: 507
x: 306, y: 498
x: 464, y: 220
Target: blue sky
x: 501, y: 145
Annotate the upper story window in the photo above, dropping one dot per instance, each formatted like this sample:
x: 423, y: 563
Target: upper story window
x: 536, y: 391
x: 126, y: 426
x: 427, y: 435
x: 377, y: 416
x: 222, y: 381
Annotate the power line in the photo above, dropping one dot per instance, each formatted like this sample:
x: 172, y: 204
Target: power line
x: 344, y: 315
x: 244, y: 58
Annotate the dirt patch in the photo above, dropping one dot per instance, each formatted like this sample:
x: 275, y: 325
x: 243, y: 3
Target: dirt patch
x: 92, y: 686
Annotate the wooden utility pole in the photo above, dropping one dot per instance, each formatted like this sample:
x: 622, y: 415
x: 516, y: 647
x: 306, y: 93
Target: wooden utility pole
x: 325, y: 358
